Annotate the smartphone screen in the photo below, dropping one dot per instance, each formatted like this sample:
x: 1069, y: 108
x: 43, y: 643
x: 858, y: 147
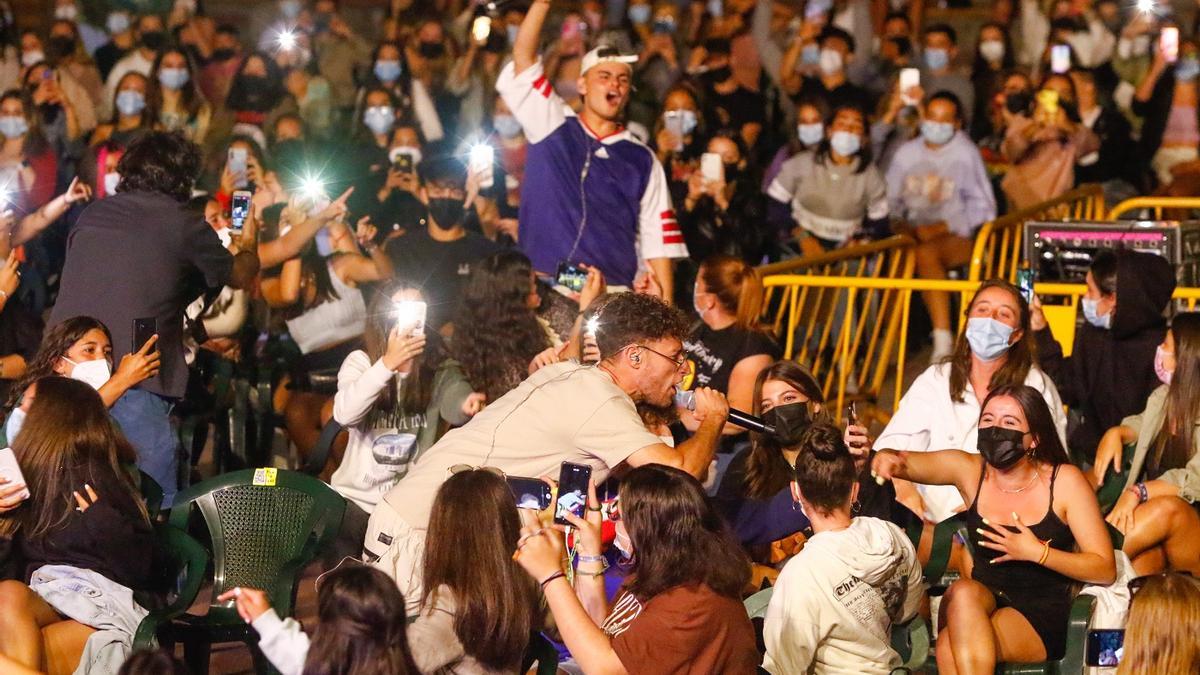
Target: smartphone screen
x: 1105, y: 647
x: 10, y: 469
x: 1048, y: 100
x: 712, y: 167
x: 143, y: 330
x: 530, y: 493
x: 411, y: 313
x: 239, y: 211
x: 403, y: 163
x: 237, y: 167
x: 1025, y: 283
x: 852, y: 413
x: 571, y: 276
x: 572, y: 490
x: 909, y: 78
x: 1168, y: 43
x: 483, y: 156
x: 1060, y: 58
x: 481, y: 28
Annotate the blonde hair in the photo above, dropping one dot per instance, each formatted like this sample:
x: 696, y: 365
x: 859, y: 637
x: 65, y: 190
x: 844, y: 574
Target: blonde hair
x: 737, y: 286
x: 1160, y: 635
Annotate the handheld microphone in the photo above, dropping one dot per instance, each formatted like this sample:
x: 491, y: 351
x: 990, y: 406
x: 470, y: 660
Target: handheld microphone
x: 687, y: 399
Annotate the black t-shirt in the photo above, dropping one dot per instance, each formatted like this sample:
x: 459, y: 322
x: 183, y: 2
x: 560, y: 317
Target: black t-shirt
x: 138, y: 255
x: 106, y: 57
x: 738, y: 107
x: 714, y: 353
x: 440, y: 268
x: 845, y: 94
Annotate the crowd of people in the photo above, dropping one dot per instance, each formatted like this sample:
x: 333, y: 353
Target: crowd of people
x: 462, y: 231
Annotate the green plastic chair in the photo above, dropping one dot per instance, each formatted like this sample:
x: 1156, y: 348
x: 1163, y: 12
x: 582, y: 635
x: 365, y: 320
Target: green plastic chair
x: 263, y: 533
x: 911, y: 640
x: 1114, y: 483
x: 180, y: 565
x: 1073, y: 660
x: 943, y: 541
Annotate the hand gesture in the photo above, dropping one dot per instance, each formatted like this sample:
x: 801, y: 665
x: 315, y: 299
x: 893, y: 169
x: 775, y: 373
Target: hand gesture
x: 1110, y: 451
x: 78, y: 191
x: 1037, y: 318
x: 10, y: 275
x: 87, y: 500
x: 364, y: 232
x: 11, y: 495
x: 710, y: 404
x: 1019, y: 545
x: 588, y: 527
x: 402, y: 348
x: 888, y: 464
x: 648, y: 284
x: 141, y: 365
x: 1121, y: 516
x: 337, y: 208
x: 546, y: 357
x: 251, y: 603
x: 540, y: 551
x: 857, y: 440
x: 593, y: 287
x: 474, y: 403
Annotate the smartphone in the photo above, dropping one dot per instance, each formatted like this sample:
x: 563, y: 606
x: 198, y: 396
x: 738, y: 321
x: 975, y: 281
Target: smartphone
x: 571, y: 276
x: 712, y: 167
x: 1105, y: 647
x: 481, y: 28
x: 572, y: 491
x: 239, y: 211
x: 909, y: 78
x: 237, y: 166
x: 852, y: 413
x: 12, y: 471
x: 530, y: 493
x: 1048, y: 100
x: 1060, y: 58
x: 1025, y: 283
x: 1168, y: 43
x: 483, y: 156
x: 403, y: 163
x: 143, y: 330
x: 412, y: 312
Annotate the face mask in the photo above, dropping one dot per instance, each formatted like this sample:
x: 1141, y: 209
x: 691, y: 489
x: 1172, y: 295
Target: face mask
x: 15, y: 421
x: 173, y: 78
x: 845, y: 143
x: 1160, y: 368
x: 988, y: 337
x: 937, y: 133
x: 506, y: 125
x: 289, y: 8
x: 223, y: 54
x: 790, y: 421
x: 379, y: 119
x: 640, y: 14
x: 810, y: 55
x: 66, y: 12
x: 1187, y: 69
x: 512, y: 33
x: 810, y: 134
x: 431, y: 50
x: 225, y: 236
x: 409, y: 150
x: 719, y: 74
x: 12, y: 126
x: 991, y: 50
x: 117, y: 23
x: 1001, y: 447
x: 1018, y: 102
x: 111, y: 180
x: 62, y: 46
x: 937, y: 59
x: 1090, y: 307
x: 31, y: 57
x: 94, y: 373
x: 446, y: 213
x: 830, y: 62
x: 622, y: 542
x: 687, y: 121
x: 154, y: 40
x: 387, y: 71
x: 130, y: 102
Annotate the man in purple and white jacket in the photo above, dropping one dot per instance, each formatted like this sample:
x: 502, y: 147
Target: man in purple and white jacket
x: 592, y: 192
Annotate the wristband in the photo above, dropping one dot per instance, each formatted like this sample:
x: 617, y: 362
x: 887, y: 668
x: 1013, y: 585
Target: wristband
x: 1142, y: 493
x: 597, y: 573
x: 1045, y: 552
x: 591, y: 558
x: 557, y: 575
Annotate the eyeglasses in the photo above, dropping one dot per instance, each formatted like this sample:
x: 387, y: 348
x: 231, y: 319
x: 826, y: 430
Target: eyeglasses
x: 1136, y: 584
x: 679, y: 361
x: 460, y: 468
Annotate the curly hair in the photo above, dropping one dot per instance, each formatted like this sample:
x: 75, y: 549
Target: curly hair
x: 55, y: 344
x: 629, y: 318
x: 496, y: 334
x: 160, y: 161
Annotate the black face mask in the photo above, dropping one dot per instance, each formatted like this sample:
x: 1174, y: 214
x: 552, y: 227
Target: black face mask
x: 446, y: 213
x: 790, y: 421
x: 154, y: 39
x: 1001, y: 447
x: 1019, y: 102
x: 732, y: 172
x: 431, y: 50
x: 223, y: 54
x: 717, y: 75
x: 60, y: 47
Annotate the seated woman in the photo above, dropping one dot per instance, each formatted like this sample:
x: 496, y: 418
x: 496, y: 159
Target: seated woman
x: 680, y: 609
x: 83, y: 520
x: 1160, y: 632
x: 1158, y: 510
x: 812, y: 624
x: 1015, y: 606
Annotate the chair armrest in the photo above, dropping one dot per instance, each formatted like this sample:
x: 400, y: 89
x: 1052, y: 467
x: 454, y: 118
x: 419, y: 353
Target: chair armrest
x: 320, y: 452
x: 1077, y: 630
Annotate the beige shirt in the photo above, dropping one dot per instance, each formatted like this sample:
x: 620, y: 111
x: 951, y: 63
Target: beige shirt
x: 564, y: 412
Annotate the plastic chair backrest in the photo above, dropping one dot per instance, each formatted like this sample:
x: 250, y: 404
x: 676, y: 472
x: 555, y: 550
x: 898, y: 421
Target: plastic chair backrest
x: 152, y: 494
x: 180, y: 564
x: 1114, y: 483
x: 265, y: 525
x: 320, y: 452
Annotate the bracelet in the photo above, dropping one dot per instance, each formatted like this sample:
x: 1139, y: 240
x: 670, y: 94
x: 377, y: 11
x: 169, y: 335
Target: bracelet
x: 591, y: 558
x: 597, y: 573
x: 1045, y: 552
x: 1142, y: 493
x: 557, y: 575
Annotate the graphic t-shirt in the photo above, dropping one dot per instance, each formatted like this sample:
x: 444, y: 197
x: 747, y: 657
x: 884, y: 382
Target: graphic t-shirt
x: 713, y: 354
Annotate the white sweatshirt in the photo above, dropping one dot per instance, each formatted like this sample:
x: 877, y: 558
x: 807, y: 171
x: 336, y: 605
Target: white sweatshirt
x: 835, y: 602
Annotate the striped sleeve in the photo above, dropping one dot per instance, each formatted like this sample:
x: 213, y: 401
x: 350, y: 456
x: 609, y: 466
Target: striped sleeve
x: 532, y: 100
x: 659, y: 235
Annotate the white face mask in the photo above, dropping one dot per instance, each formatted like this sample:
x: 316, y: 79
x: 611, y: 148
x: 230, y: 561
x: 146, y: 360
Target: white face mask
x: 623, y: 543
x: 110, y: 182
x: 95, y: 372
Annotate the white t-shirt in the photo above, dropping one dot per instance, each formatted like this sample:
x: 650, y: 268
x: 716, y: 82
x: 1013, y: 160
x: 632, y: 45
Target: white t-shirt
x: 563, y: 412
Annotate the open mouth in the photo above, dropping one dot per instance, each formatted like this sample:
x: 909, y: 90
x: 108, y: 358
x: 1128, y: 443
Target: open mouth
x: 613, y: 98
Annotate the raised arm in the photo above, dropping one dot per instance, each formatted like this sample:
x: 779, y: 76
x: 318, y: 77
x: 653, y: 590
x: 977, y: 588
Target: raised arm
x: 942, y: 467
x: 695, y: 454
x: 525, y: 47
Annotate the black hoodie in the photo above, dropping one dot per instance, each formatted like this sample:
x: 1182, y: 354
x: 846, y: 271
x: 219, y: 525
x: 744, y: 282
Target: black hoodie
x: 1110, y: 372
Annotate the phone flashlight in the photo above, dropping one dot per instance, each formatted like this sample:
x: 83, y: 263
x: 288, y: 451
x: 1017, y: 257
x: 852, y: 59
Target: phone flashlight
x: 481, y: 28
x: 593, y: 325
x: 286, y: 40
x: 481, y: 156
x: 312, y: 188
x: 1145, y: 6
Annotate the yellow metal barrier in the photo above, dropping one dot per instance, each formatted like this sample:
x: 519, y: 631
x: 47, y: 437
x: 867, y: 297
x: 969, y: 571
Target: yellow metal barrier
x: 888, y: 301
x: 998, y: 243
x: 1155, y: 205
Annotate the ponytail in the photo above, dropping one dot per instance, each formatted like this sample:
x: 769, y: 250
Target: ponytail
x: 737, y: 286
x: 750, y: 298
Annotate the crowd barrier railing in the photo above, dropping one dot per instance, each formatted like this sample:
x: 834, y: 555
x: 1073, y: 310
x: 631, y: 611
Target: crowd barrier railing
x: 1156, y: 206
x: 872, y: 341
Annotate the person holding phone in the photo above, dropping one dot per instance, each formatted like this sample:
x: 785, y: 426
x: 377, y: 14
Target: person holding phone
x: 1168, y: 100
x: 725, y: 213
x: 1160, y: 631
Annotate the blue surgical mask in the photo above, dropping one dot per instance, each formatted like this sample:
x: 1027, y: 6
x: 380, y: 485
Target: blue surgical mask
x: 937, y: 133
x: 387, y: 71
x: 130, y: 102
x: 13, y: 126
x: 937, y: 59
x: 1090, y: 308
x: 845, y: 143
x: 173, y: 78
x: 512, y: 34
x: 640, y: 14
x: 687, y: 120
x: 506, y: 125
x: 810, y: 55
x: 379, y: 119
x: 117, y: 22
x: 15, y: 421
x: 988, y: 337
x: 810, y: 134
x: 1187, y: 69
x: 289, y: 8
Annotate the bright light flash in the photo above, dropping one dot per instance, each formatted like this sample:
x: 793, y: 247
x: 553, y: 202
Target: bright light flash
x: 286, y: 40
x: 1146, y: 6
x: 481, y: 155
x: 593, y: 325
x: 311, y: 187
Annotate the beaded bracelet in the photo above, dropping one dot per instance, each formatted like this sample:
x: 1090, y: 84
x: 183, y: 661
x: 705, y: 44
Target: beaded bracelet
x: 597, y: 573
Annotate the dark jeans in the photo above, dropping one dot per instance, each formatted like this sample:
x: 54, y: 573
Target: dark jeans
x: 145, y: 419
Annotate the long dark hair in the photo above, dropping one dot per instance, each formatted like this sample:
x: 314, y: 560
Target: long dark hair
x: 677, y: 536
x: 1048, y: 448
x: 190, y: 93
x: 148, y: 117
x: 766, y: 470
x: 55, y: 344
x: 473, y: 532
x: 256, y: 96
x: 1017, y: 360
x: 495, y: 333
x: 980, y: 66
x: 418, y: 386
x: 35, y: 139
x: 67, y: 441
x: 361, y: 626
x: 825, y: 469
x: 1174, y: 443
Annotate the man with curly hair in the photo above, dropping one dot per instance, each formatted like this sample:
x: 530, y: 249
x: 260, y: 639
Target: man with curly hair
x: 565, y: 412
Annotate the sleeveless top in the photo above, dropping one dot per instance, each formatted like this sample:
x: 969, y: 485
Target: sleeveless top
x: 333, y: 321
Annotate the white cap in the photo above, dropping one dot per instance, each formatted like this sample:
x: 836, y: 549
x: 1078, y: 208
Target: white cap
x: 605, y: 54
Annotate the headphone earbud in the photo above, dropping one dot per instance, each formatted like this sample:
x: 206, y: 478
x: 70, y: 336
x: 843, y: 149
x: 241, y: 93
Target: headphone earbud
x: 635, y: 357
